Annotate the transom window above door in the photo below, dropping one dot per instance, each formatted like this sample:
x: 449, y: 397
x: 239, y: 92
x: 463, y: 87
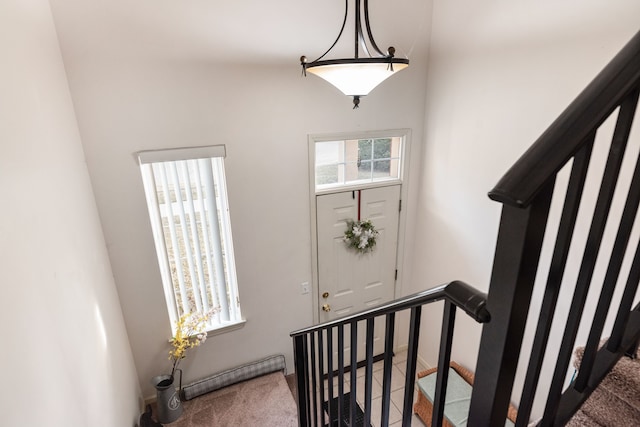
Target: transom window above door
x: 344, y: 162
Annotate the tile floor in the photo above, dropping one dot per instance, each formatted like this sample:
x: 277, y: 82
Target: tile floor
x: 397, y: 391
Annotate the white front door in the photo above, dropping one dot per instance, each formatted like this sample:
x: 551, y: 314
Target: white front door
x: 349, y: 281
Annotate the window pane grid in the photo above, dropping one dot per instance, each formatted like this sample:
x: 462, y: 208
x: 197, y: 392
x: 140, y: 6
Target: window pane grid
x: 357, y: 161
x: 189, y: 213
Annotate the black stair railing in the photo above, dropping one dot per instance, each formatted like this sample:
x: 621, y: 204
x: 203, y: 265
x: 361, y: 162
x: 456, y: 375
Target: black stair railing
x: 526, y: 193
x: 315, y: 361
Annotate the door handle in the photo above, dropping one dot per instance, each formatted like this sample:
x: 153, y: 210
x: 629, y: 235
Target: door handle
x: 326, y: 307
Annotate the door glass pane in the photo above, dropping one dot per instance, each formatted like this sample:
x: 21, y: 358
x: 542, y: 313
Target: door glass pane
x: 364, y: 170
x: 364, y: 149
x: 341, y: 163
x: 326, y: 174
x: 352, y: 151
x: 381, y: 168
x: 382, y: 148
x: 329, y: 152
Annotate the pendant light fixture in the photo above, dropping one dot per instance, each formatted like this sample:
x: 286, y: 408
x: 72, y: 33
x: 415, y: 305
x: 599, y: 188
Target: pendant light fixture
x: 357, y: 76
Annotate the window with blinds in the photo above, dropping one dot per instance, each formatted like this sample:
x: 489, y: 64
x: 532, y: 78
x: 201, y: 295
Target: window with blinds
x: 187, y: 199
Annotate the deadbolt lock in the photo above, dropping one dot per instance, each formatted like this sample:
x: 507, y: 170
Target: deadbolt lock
x: 325, y: 295
x: 326, y: 307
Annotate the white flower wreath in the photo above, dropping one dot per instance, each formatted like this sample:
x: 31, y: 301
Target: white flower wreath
x: 360, y: 235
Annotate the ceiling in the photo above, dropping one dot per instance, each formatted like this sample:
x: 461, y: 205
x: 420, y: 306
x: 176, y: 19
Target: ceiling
x: 277, y: 32
x: 249, y: 31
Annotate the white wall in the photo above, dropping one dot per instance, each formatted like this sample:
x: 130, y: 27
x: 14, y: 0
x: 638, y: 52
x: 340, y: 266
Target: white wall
x: 65, y: 356
x: 263, y: 115
x: 499, y: 73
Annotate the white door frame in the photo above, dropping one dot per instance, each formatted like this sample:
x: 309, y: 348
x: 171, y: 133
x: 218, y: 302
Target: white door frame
x: 404, y: 181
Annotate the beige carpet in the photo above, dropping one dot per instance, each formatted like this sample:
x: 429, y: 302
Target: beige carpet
x: 616, y: 402
x: 262, y: 401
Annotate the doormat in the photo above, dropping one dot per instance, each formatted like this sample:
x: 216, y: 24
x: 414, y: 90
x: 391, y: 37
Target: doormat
x: 346, y: 410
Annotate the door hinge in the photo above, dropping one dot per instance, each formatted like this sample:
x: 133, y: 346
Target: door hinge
x: 400, y: 205
x: 396, y: 274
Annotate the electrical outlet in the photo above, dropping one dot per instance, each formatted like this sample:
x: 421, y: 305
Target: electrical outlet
x: 306, y: 288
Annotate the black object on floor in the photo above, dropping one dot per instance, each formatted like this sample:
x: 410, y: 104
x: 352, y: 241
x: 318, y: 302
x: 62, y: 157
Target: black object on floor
x: 146, y: 420
x: 346, y: 410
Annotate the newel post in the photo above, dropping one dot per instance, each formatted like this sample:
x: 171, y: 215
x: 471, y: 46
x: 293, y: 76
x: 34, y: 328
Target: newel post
x: 514, y: 270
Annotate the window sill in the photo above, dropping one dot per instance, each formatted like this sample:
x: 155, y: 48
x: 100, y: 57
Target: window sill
x: 227, y: 327
x: 339, y: 188
x: 223, y: 329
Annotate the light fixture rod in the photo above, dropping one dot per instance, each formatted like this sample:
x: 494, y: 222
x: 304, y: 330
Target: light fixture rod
x: 344, y: 23
x: 359, y: 39
x: 369, y: 32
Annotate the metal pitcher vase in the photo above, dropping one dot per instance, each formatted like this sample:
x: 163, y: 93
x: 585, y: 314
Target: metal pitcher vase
x: 168, y: 400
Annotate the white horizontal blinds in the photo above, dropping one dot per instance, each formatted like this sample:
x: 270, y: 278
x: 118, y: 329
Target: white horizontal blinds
x: 191, y: 211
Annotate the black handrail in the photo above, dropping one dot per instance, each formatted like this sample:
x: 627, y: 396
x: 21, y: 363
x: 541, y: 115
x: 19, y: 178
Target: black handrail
x: 462, y: 295
x: 571, y: 129
x: 310, y: 370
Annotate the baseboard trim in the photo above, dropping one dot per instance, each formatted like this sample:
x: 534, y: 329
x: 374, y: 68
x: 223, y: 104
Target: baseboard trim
x: 420, y: 359
x: 232, y: 376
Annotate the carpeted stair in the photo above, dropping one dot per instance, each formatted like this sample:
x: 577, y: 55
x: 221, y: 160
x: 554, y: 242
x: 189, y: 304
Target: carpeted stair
x: 616, y: 402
